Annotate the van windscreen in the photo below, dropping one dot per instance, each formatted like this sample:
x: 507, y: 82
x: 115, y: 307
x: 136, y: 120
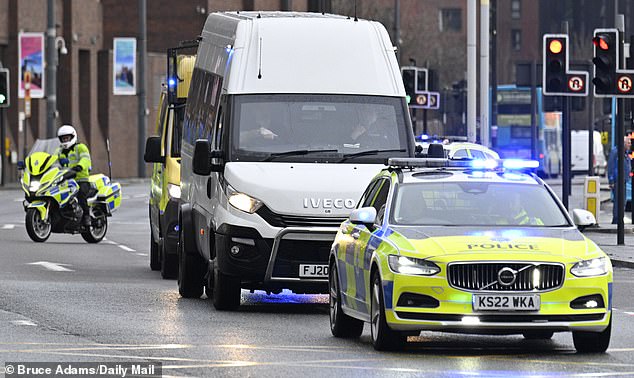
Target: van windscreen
x: 330, y: 127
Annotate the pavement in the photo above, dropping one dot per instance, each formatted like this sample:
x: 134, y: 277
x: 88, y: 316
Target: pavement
x: 604, y: 233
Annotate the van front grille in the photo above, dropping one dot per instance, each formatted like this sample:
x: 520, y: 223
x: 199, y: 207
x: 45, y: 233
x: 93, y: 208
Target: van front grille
x: 283, y: 220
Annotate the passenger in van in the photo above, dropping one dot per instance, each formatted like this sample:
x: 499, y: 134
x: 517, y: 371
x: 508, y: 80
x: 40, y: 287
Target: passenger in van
x: 258, y: 132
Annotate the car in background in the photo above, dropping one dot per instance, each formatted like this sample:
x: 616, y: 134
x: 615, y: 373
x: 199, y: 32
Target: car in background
x: 467, y: 247
x: 462, y: 150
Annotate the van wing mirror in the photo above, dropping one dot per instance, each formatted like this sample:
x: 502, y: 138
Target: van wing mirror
x: 364, y: 215
x: 153, y: 150
x: 201, y: 164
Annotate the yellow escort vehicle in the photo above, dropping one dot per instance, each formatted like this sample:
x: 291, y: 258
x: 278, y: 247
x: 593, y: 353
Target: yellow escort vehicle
x: 467, y: 247
x: 164, y: 152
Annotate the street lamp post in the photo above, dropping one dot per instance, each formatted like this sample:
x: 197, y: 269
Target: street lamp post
x: 54, y: 46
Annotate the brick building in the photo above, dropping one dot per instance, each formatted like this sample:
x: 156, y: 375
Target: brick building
x: 432, y: 32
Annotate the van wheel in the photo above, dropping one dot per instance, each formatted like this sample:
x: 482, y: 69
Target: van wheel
x: 169, y: 262
x: 225, y: 292
x: 155, y: 263
x: 383, y: 338
x: 191, y: 266
x: 341, y: 325
x: 592, y: 342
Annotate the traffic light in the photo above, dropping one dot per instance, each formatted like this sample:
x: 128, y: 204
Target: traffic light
x: 555, y: 64
x: 409, y: 81
x: 605, y: 61
x: 4, y: 88
x: 421, y: 80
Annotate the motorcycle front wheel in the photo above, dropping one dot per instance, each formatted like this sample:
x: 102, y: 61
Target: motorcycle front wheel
x: 38, y: 229
x: 98, y: 227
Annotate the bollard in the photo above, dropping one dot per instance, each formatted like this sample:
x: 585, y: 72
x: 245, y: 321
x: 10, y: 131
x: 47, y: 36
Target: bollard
x: 592, y: 195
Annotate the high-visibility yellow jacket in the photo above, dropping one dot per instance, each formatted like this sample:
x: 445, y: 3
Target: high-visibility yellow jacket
x: 77, y: 155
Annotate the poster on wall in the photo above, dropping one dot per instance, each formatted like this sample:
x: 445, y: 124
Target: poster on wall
x: 31, y: 60
x: 124, y: 66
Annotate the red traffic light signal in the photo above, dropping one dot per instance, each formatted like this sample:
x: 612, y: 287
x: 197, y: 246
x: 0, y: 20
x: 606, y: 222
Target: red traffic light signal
x: 605, y: 61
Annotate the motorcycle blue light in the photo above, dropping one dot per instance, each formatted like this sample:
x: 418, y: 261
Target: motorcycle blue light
x: 171, y: 82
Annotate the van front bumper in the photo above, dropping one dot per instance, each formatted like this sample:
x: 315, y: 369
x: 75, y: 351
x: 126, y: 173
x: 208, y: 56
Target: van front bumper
x: 273, y: 264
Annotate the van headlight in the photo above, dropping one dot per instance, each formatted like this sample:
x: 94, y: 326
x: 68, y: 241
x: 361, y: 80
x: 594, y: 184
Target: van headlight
x: 413, y: 266
x: 243, y: 202
x: 589, y: 268
x: 174, y: 190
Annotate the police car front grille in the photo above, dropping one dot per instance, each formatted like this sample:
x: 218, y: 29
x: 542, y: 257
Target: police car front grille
x: 283, y: 220
x: 484, y: 276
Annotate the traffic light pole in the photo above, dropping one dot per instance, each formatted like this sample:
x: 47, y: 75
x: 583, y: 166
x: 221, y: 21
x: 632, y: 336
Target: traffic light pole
x: 2, y: 145
x: 620, y: 177
x: 565, y: 177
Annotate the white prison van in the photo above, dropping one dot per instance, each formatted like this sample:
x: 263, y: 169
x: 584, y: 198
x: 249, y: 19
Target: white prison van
x: 289, y: 115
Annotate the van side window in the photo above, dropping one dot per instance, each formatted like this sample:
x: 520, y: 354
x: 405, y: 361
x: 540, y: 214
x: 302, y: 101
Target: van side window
x: 192, y: 108
x: 212, y: 95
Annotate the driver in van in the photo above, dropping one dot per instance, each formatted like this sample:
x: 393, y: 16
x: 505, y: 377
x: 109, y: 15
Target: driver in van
x: 260, y: 130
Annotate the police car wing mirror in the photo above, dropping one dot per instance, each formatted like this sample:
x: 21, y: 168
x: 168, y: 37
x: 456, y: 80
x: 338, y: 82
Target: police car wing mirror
x: 583, y: 218
x: 153, y: 150
x: 201, y: 164
x: 21, y: 165
x: 364, y: 215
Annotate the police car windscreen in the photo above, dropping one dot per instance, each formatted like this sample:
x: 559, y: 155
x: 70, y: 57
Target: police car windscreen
x: 476, y: 204
x: 338, y: 124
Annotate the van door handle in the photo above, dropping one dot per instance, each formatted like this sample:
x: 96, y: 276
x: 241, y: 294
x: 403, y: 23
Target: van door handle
x: 209, y: 188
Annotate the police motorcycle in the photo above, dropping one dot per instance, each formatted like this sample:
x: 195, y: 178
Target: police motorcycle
x: 51, y: 202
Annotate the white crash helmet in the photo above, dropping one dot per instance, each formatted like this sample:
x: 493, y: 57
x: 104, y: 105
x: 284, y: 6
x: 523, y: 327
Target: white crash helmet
x: 63, y: 133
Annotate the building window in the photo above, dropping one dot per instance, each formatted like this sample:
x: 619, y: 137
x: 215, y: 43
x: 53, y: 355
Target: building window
x: 516, y: 39
x: 515, y: 9
x: 450, y: 19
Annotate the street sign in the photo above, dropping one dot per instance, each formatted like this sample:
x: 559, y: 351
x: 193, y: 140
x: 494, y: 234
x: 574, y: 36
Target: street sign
x: 426, y: 100
x: 576, y: 83
x: 624, y: 84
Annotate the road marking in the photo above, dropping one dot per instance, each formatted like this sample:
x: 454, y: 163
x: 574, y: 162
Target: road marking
x: 24, y: 323
x: 18, y: 200
x: 629, y: 312
x: 56, y: 267
x: 126, y: 248
x: 141, y: 254
x: 140, y: 195
x: 8, y: 226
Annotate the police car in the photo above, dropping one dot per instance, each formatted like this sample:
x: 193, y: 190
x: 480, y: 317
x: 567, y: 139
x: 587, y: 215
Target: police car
x: 467, y: 246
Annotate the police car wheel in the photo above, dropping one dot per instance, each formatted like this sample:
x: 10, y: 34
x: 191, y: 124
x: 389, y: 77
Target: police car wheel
x: 383, y: 338
x: 538, y: 335
x: 592, y: 342
x: 341, y: 325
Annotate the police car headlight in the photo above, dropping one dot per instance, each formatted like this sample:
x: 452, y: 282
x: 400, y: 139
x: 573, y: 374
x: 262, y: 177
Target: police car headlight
x: 174, y: 190
x: 589, y: 268
x: 413, y: 266
x: 243, y: 202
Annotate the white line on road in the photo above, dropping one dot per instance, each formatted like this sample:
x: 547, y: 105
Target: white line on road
x: 24, y: 323
x: 140, y: 195
x: 142, y: 254
x: 8, y: 227
x: 56, y: 267
x: 126, y: 248
x: 629, y: 312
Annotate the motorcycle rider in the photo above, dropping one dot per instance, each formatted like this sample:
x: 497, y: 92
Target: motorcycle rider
x: 78, y: 157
